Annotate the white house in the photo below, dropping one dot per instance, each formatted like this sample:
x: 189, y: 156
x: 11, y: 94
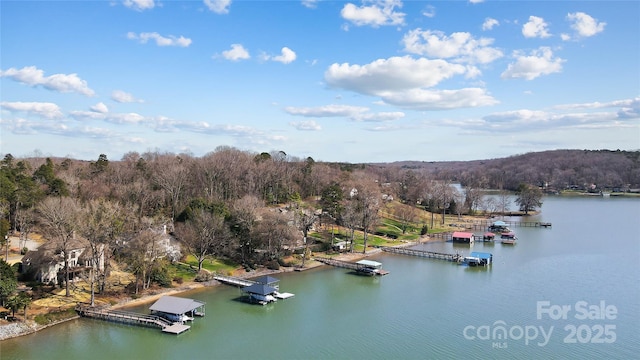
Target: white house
x: 47, y: 262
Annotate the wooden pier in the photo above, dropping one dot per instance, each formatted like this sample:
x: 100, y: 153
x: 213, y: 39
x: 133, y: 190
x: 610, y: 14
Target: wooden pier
x: 131, y: 318
x: 422, y: 253
x: 484, y: 224
x: 236, y: 281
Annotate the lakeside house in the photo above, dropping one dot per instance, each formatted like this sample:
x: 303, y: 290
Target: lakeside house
x: 463, y: 237
x: 46, y: 263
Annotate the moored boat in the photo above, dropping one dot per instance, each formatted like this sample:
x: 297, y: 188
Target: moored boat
x: 509, y: 238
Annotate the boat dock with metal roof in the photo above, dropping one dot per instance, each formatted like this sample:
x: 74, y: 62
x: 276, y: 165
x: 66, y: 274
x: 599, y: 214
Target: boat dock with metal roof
x: 366, y: 267
x: 168, y: 314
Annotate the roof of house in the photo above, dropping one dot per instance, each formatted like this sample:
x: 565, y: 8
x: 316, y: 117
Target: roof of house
x: 266, y: 280
x: 462, y: 234
x: 175, y: 305
x: 260, y: 289
x: 50, y: 251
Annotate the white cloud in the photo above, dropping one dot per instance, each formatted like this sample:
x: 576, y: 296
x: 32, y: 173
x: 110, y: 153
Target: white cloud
x: 476, y: 1
x: 125, y: 118
x: 489, y: 23
x: 528, y: 120
x: 426, y: 99
x: 429, y: 11
x: 218, y: 6
x: 585, y: 25
x: 378, y: 117
x: 287, y: 56
x: 31, y: 75
x: 379, y: 13
x: 87, y: 115
x: 139, y: 5
x: 355, y: 113
x: 160, y: 40
x: 43, y: 109
x: 535, y: 27
x: 395, y: 73
x: 539, y: 62
x: 237, y: 52
x: 123, y: 97
x: 626, y: 109
x: 327, y: 111
x: 307, y: 125
x: 403, y: 81
x: 100, y: 108
x: 461, y: 46
x: 311, y: 4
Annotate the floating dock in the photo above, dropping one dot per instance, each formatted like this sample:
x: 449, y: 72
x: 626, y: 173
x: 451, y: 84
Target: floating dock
x: 422, y: 253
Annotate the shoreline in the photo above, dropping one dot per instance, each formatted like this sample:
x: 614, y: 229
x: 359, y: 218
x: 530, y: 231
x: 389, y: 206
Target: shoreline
x: 18, y: 329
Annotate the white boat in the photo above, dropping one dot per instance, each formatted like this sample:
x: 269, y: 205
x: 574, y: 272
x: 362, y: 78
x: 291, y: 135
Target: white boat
x: 181, y: 318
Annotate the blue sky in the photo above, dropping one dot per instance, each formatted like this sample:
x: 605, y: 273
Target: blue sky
x: 360, y: 81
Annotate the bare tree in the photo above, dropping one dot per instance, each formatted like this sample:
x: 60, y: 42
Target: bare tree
x: 244, y: 214
x: 60, y: 216
x: 201, y: 233
x: 305, y: 218
x: 472, y: 198
x: 25, y: 220
x: 276, y: 233
x: 529, y: 198
x: 170, y: 174
x: 144, y: 253
x: 368, y: 201
x: 406, y: 214
x: 101, y: 223
x: 350, y: 220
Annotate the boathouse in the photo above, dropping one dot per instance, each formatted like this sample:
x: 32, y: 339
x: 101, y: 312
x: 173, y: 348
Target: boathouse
x: 484, y: 258
x: 177, y: 309
x: 260, y: 293
x: 488, y: 236
x: 463, y: 237
x: 499, y: 227
x: 268, y: 280
x: 368, y: 267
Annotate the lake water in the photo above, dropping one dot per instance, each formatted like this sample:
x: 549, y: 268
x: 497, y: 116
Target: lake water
x: 569, y: 291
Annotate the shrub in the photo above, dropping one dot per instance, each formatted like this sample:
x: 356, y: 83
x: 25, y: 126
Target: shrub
x: 203, y: 276
x: 273, y: 265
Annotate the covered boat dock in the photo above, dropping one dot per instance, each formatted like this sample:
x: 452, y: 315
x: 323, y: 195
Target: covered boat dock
x: 478, y: 259
x: 260, y: 293
x: 177, y: 309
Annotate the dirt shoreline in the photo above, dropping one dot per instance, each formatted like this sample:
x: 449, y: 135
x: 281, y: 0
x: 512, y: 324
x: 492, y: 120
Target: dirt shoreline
x: 28, y: 327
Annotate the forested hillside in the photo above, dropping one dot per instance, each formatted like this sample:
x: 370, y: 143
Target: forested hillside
x: 557, y: 169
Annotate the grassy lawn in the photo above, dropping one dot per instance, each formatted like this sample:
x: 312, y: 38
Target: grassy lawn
x: 213, y: 265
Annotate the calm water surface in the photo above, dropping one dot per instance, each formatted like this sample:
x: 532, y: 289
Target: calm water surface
x: 424, y: 308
